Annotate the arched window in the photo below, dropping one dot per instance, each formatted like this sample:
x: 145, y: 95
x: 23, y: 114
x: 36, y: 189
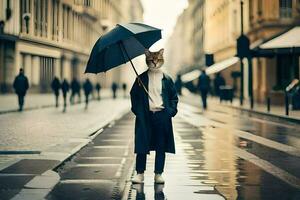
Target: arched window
x: 285, y: 8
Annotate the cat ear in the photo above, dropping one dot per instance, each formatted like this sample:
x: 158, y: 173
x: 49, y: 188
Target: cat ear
x: 147, y: 52
x: 161, y: 52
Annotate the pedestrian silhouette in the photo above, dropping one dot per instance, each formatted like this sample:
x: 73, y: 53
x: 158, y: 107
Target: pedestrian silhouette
x: 114, y: 88
x: 218, y: 82
x: 75, y: 90
x: 21, y: 86
x: 124, y: 87
x: 178, y: 84
x: 88, y: 88
x: 65, y: 89
x: 98, y: 88
x: 204, y: 87
x: 55, y: 85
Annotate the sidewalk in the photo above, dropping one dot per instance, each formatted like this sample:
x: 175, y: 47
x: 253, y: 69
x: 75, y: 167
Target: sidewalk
x: 276, y: 111
x: 100, y: 170
x: 37, y: 141
x: 9, y: 102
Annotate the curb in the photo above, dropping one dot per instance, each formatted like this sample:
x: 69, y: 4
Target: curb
x: 91, y: 138
x: 273, y: 116
x: 127, y: 188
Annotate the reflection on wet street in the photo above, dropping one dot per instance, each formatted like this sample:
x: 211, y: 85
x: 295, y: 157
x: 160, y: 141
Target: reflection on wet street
x: 227, y: 155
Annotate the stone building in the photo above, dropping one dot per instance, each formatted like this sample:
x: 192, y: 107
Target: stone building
x: 263, y: 20
x: 221, y: 31
x: 54, y: 37
x: 268, y: 19
x: 185, y: 47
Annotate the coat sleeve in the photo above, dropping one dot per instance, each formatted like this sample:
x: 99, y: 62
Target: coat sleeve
x: 15, y: 83
x: 26, y: 84
x: 173, y: 98
x: 134, y: 96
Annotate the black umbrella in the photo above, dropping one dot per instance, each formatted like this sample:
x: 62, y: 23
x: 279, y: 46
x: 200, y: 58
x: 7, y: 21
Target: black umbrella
x: 120, y: 45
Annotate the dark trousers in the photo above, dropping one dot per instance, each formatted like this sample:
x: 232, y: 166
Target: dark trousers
x: 21, y: 101
x: 56, y: 100
x: 158, y: 140
x: 65, y: 102
x: 204, y: 98
x: 86, y: 100
x: 141, y: 160
x: 72, y: 97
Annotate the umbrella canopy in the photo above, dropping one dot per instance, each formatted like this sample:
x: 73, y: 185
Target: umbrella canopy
x: 120, y: 45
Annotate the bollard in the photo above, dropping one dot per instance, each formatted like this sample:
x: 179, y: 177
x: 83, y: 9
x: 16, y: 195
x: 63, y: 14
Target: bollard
x: 269, y: 104
x: 286, y: 104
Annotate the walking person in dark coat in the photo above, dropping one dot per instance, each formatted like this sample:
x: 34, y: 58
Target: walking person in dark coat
x: 124, y: 87
x: 21, y: 86
x: 65, y: 89
x: 75, y: 90
x: 98, y: 88
x: 204, y: 87
x: 178, y: 84
x: 55, y: 85
x: 114, y: 88
x: 218, y: 82
x: 88, y: 88
x: 153, y: 125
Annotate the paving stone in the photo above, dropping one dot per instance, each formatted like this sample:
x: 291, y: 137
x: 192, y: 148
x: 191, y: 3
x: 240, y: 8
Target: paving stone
x: 101, y: 172
x: 43, y: 182
x: 108, y: 152
x: 104, y: 142
x: 83, y: 160
x: 14, y: 182
x: 31, y: 194
x: 7, y: 194
x: 30, y: 166
x: 83, y: 191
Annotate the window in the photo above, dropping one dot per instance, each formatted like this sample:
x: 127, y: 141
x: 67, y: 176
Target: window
x: 46, y: 73
x: 25, y: 9
x: 285, y: 8
x: 36, y: 17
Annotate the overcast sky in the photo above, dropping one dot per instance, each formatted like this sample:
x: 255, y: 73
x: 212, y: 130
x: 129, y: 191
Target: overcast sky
x: 163, y: 14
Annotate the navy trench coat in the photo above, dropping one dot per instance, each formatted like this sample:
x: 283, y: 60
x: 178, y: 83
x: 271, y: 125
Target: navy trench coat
x: 140, y: 107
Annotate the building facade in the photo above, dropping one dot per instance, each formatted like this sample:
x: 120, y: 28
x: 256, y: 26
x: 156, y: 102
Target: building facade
x: 222, y: 28
x: 267, y: 19
x: 54, y: 38
x: 185, y: 47
x: 263, y: 19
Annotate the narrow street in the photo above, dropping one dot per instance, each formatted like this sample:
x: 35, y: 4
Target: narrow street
x: 221, y: 153
x: 85, y: 83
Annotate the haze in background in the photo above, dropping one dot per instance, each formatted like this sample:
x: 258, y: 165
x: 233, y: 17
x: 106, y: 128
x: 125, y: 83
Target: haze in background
x: 163, y: 14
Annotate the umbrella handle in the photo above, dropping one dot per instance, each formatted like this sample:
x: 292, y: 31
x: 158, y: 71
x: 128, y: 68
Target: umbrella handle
x: 136, y: 73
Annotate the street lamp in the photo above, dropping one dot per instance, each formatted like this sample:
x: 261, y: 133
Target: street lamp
x: 243, y: 51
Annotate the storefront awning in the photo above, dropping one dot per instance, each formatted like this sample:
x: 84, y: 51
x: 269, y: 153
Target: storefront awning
x: 215, y: 68
x: 190, y: 76
x: 289, y: 39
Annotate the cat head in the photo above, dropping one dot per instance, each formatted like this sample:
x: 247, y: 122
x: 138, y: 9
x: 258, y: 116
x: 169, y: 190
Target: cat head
x: 154, y: 60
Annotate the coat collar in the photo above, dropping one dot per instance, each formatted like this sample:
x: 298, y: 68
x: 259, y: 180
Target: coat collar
x: 145, y: 79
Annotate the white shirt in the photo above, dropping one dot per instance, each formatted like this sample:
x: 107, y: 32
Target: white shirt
x: 155, y: 90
